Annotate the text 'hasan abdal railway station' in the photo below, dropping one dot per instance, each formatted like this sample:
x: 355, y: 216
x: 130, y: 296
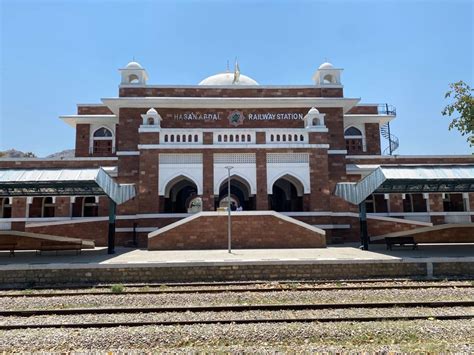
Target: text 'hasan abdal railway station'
x: 306, y: 169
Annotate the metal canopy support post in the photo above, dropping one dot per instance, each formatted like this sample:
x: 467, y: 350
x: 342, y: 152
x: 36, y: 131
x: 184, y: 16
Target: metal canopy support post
x: 364, y: 238
x: 111, y: 238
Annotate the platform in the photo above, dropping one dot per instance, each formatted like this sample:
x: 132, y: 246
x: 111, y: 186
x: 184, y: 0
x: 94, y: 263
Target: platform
x: 142, y: 266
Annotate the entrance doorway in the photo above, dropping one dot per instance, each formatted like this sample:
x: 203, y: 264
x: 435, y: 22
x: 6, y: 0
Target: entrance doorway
x: 239, y: 194
x: 287, y: 195
x: 181, y: 196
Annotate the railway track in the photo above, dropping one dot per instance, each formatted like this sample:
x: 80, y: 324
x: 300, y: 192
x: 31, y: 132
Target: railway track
x: 235, y: 321
x: 197, y: 289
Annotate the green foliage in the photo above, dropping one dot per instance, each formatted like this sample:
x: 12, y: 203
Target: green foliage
x: 462, y: 107
x: 118, y: 288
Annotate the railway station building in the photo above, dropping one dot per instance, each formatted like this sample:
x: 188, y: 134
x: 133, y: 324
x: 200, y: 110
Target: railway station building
x: 285, y: 147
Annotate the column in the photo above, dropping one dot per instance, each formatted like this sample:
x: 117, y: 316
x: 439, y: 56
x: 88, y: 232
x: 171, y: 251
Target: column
x: 319, y: 179
x: 208, y: 181
x: 63, y: 206
x: 262, y: 193
x: 18, y: 211
x: 436, y: 205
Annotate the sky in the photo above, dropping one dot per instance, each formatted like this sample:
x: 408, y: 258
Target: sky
x: 55, y: 54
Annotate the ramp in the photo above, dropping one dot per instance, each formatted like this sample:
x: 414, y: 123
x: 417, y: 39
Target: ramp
x: 32, y: 241
x: 441, y: 233
x: 250, y: 230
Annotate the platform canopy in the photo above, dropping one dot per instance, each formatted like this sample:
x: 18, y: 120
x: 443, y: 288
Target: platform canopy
x: 409, y: 179
x: 63, y: 182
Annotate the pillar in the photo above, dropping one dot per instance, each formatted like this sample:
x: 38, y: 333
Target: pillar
x: 319, y: 180
x: 19, y: 211
x: 208, y: 181
x: 63, y: 206
x: 262, y: 193
x: 395, y: 203
x: 436, y: 205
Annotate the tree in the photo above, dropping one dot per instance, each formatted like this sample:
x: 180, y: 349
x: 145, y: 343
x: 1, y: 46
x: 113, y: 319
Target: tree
x: 463, y: 107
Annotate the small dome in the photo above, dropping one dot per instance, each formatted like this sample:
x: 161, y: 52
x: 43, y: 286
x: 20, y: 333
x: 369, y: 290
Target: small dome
x: 313, y: 111
x: 326, y: 65
x: 152, y: 111
x: 134, y: 65
x: 227, y: 78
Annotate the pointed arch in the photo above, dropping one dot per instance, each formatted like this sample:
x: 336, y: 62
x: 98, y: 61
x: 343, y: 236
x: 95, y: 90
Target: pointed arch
x: 238, y: 176
x: 176, y: 178
x: 296, y: 180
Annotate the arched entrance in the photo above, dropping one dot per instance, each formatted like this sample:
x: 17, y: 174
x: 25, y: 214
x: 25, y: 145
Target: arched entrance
x: 240, y: 193
x: 180, y: 196
x: 287, y: 195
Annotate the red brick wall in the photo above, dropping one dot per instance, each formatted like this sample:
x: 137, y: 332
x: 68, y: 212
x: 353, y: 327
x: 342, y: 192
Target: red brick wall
x: 93, y: 110
x: 82, y: 140
x: 372, y: 136
x: 234, y: 92
x: 448, y: 235
x: 210, y: 232
x: 360, y: 110
x: 96, y: 231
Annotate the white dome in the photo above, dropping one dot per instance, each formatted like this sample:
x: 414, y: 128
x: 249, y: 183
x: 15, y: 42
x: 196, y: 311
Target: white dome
x: 313, y: 111
x: 152, y: 111
x: 326, y: 65
x: 227, y: 79
x: 134, y: 65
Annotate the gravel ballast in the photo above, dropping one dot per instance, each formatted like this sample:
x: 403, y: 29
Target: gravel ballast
x: 429, y: 335
x: 334, y: 296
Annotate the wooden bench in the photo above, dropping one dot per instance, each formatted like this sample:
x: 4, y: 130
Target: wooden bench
x: 8, y: 246
x: 401, y: 241
x: 59, y: 246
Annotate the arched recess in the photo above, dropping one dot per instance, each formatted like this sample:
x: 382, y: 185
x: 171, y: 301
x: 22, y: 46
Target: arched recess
x: 287, y: 194
x: 102, y: 141
x: 240, y: 191
x: 355, y: 141
x: 296, y: 180
x: 179, y: 193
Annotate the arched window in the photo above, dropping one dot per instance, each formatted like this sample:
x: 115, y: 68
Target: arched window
x: 166, y: 138
x: 151, y: 121
x: 196, y: 138
x: 354, y: 140
x: 102, y: 142
x: 133, y: 79
x: 328, y: 79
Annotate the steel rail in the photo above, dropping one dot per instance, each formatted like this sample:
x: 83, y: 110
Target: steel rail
x: 243, y: 283
x: 236, y: 321
x: 230, y: 290
x: 233, y: 308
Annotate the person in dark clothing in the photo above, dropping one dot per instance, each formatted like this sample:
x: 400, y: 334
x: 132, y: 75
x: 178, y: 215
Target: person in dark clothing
x: 233, y: 207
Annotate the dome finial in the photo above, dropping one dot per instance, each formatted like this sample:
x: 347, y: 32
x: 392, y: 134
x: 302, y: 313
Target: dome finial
x: 236, y: 72
x: 227, y: 70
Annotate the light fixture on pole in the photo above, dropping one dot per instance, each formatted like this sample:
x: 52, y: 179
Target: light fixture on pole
x: 229, y: 223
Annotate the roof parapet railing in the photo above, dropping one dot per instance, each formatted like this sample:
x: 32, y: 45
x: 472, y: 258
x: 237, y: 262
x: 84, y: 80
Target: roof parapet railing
x: 386, y: 109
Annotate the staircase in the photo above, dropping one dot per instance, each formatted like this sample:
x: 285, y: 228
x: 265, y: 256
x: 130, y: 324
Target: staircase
x: 393, y: 142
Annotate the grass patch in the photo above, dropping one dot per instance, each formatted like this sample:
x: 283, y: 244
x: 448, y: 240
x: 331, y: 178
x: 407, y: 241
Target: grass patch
x: 117, y: 288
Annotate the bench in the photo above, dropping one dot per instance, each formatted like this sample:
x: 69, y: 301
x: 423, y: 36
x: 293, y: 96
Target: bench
x: 8, y: 246
x: 59, y: 246
x: 401, y: 241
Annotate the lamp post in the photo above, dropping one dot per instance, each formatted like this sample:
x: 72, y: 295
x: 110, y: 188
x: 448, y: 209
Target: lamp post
x: 229, y: 223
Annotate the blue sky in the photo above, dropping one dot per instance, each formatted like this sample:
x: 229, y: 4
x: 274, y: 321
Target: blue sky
x: 55, y: 54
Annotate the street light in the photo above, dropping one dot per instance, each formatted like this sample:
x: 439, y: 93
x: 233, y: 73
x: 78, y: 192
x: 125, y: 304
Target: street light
x: 229, y: 223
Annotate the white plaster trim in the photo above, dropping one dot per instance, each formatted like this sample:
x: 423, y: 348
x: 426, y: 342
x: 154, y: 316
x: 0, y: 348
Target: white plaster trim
x: 337, y: 151
x: 230, y: 146
x: 115, y: 103
x: 73, y: 120
x: 350, y: 119
x: 131, y: 152
x: 333, y: 226
x: 143, y: 129
x: 243, y: 213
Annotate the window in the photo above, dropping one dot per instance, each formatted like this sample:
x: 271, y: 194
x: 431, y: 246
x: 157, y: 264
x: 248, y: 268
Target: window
x: 453, y: 203
x: 354, y: 140
x: 102, y: 142
x: 90, y: 207
x: 6, y: 208
x: 376, y: 203
x: 48, y: 207
x: 414, y: 203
